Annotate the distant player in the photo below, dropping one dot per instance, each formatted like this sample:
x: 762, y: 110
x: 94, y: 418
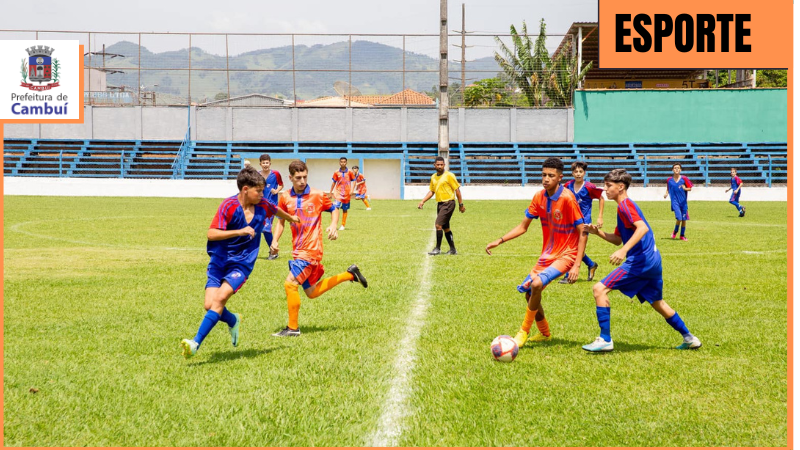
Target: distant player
x: 233, y: 242
x: 306, y: 266
x: 677, y: 188
x: 736, y: 187
x: 640, y: 272
x: 341, y: 188
x: 446, y: 188
x: 563, y: 245
x: 273, y: 187
x: 585, y: 192
x: 360, y: 187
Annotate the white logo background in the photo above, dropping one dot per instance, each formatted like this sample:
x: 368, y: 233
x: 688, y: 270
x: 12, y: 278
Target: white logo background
x: 11, y: 55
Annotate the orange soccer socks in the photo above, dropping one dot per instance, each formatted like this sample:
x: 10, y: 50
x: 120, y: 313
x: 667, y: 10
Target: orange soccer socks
x: 543, y: 327
x: 344, y: 218
x: 293, y: 302
x: 366, y: 202
x: 530, y: 315
x: 329, y: 283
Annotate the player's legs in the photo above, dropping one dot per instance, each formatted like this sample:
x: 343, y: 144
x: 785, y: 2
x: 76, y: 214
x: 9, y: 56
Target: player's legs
x: 441, y: 220
x: 321, y: 286
x: 448, y: 234
x: 735, y: 202
x: 299, y: 273
x: 345, y: 208
x: 602, y: 343
x: 533, y: 286
x: 674, y: 320
x: 683, y: 229
x: 677, y: 227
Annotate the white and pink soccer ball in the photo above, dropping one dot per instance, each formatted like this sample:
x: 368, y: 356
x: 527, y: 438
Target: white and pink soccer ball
x: 504, y: 348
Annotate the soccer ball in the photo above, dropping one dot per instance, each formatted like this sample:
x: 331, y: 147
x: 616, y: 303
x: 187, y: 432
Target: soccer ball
x: 504, y: 348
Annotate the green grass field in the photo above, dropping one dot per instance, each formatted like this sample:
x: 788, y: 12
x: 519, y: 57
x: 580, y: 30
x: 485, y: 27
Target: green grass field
x: 98, y: 292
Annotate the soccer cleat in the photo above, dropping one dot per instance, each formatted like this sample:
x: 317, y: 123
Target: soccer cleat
x: 341, y: 228
x: 235, y: 330
x: 287, y: 332
x: 673, y: 235
x: 435, y: 252
x: 272, y: 256
x: 369, y: 209
x: 521, y: 337
x: 743, y: 211
x: 592, y: 270
x: 564, y: 280
x: 452, y: 251
x: 599, y: 345
x: 189, y: 348
x: 357, y: 275
x: 683, y: 238
x: 539, y: 337
x: 691, y: 343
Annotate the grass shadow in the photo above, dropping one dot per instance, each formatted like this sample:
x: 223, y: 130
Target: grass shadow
x: 232, y: 355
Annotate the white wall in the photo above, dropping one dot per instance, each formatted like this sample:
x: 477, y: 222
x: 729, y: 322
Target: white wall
x: 383, y: 181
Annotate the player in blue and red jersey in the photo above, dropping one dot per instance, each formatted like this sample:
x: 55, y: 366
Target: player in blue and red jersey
x: 233, y: 242
x: 640, y: 272
x: 273, y: 187
x: 305, y: 268
x: 678, y: 187
x: 585, y: 192
x: 563, y: 244
x: 736, y: 187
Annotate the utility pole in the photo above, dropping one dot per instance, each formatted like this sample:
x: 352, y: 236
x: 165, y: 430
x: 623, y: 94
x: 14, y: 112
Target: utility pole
x: 463, y: 53
x: 444, y: 129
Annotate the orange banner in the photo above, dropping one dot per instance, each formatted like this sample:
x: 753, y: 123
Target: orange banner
x: 682, y: 34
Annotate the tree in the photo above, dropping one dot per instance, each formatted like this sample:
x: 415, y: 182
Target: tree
x: 771, y: 78
x: 221, y: 96
x: 488, y: 92
x: 544, y: 81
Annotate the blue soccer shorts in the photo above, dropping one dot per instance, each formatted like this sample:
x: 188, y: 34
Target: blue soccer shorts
x: 645, y: 289
x: 547, y: 275
x: 233, y: 276
x: 306, y: 273
x: 344, y: 206
x: 681, y: 212
x: 360, y: 196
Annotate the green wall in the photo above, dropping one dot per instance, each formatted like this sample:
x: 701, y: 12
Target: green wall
x: 701, y: 115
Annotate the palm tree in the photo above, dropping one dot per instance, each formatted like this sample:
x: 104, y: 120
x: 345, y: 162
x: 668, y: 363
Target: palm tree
x: 543, y: 81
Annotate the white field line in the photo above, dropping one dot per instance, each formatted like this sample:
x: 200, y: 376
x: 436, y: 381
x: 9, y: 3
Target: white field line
x: 390, y: 424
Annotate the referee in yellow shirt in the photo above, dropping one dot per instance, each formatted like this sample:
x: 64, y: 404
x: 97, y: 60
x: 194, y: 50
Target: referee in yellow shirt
x: 446, y: 188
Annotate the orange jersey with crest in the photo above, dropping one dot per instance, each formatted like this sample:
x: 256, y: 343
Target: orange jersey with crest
x: 362, y: 189
x: 560, y: 216
x: 343, y: 185
x: 306, y: 235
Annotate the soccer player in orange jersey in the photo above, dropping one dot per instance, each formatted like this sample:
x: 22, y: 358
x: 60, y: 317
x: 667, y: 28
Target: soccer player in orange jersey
x: 564, y: 242
x: 306, y: 268
x: 360, y: 188
x: 342, y: 187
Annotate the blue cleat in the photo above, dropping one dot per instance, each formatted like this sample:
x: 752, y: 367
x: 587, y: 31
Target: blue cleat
x: 599, y: 345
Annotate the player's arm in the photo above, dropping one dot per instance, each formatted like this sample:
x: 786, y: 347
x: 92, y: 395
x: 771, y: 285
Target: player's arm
x: 739, y: 187
x: 460, y: 202
x: 600, y: 217
x: 283, y: 215
x: 277, y: 232
x: 619, y: 256
x: 333, y: 185
x: 425, y: 199
x: 667, y: 192
x: 215, y: 234
x: 687, y: 185
x: 609, y: 237
x: 332, y: 234
x: 515, y: 232
x: 575, y: 271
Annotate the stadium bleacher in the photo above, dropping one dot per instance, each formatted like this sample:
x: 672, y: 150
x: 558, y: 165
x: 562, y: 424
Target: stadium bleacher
x: 517, y: 164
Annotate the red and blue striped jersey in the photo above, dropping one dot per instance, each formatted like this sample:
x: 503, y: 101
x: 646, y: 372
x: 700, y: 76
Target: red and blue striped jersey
x: 585, y: 195
x: 642, y: 257
x: 240, y: 251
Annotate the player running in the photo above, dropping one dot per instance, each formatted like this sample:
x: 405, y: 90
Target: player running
x: 736, y: 187
x: 360, y: 187
x: 273, y: 187
x: 678, y: 187
x: 341, y: 188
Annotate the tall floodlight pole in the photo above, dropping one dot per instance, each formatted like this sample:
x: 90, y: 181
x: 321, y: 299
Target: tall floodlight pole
x: 444, y: 106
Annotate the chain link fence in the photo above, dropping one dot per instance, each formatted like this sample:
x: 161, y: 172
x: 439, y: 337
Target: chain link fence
x: 303, y: 70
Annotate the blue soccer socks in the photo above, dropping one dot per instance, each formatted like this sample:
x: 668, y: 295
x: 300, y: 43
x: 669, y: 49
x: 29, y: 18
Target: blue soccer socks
x: 677, y: 323
x: 228, y: 317
x: 209, y: 321
x: 604, y: 320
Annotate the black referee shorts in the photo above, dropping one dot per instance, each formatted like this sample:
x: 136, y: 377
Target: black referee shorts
x: 444, y: 211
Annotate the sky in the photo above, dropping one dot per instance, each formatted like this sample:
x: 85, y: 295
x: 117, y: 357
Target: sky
x: 299, y: 16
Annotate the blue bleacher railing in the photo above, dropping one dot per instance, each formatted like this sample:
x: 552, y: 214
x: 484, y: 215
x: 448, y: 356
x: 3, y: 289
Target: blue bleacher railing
x: 473, y: 163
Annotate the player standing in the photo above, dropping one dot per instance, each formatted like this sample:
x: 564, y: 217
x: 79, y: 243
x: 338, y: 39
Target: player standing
x: 273, y: 186
x: 736, y: 187
x: 563, y: 245
x: 306, y: 268
x: 233, y: 242
x: 446, y: 188
x: 361, y: 187
x: 640, y: 272
x: 585, y: 192
x: 342, y: 187
x: 678, y: 187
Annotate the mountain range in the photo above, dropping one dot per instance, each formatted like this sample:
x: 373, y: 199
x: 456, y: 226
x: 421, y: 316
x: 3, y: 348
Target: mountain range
x: 268, y: 71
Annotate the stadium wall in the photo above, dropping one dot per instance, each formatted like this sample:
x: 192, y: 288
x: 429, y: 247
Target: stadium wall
x: 684, y: 115
x: 116, y: 187
x: 307, y: 125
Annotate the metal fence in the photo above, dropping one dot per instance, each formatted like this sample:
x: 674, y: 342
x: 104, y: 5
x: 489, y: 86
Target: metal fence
x: 262, y: 70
